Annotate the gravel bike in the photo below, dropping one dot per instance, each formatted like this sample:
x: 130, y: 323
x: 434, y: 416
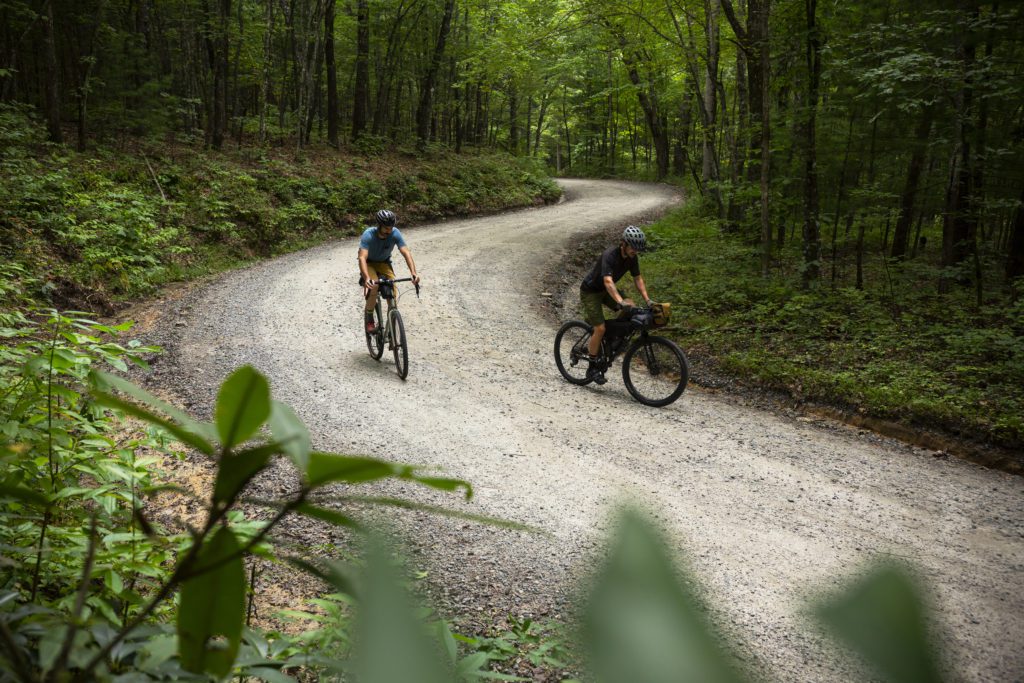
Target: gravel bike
x: 389, y: 332
x: 654, y: 369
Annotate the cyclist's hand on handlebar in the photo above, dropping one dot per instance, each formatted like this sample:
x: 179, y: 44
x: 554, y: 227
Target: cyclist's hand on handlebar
x: 416, y: 280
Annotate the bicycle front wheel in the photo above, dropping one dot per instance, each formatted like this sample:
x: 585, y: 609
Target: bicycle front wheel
x: 571, y: 351
x: 398, y: 344
x: 655, y: 371
x: 375, y: 339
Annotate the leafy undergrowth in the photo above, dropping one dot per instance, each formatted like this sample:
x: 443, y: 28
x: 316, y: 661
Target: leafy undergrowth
x: 93, y: 586
x: 117, y: 222
x: 895, y: 349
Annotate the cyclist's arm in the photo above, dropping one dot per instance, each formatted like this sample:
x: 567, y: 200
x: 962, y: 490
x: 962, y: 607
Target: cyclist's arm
x: 613, y: 292
x: 409, y: 262
x: 363, y: 271
x: 641, y: 287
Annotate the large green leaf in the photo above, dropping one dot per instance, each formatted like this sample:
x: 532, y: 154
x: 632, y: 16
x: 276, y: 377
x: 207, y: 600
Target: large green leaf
x: 394, y: 645
x: 20, y: 493
x: 234, y: 471
x: 882, y: 617
x: 212, y: 610
x: 327, y: 468
x: 243, y: 405
x: 186, y: 436
x: 641, y: 625
x: 326, y: 514
x: 104, y: 381
x: 181, y: 426
x: 291, y: 433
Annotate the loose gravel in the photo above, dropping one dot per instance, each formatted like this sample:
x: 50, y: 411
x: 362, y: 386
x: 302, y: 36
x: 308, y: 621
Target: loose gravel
x: 765, y: 508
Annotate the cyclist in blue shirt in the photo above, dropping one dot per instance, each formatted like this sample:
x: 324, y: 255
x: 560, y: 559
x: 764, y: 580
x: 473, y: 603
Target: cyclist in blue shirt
x: 375, y: 248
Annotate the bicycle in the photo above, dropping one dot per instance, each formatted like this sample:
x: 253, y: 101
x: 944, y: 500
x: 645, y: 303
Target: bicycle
x: 391, y: 332
x: 654, y: 368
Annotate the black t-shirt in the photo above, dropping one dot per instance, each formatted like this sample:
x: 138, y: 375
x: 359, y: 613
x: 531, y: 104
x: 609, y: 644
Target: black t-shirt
x: 613, y: 263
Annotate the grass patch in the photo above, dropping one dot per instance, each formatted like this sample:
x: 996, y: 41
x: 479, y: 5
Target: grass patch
x: 895, y: 349
x: 98, y: 229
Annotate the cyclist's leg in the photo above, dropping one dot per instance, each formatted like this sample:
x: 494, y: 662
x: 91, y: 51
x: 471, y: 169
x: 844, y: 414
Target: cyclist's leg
x: 591, y: 307
x: 384, y: 269
x: 371, y: 297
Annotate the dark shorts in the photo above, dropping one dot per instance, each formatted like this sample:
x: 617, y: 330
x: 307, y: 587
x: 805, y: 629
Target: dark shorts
x: 591, y: 303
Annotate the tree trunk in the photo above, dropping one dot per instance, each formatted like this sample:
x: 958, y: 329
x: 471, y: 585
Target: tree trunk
x: 1015, y: 246
x: 217, y: 48
x: 332, y: 76
x: 709, y: 165
x: 540, y: 121
x: 268, y: 60
x: 361, y: 95
x: 812, y: 229
x: 901, y: 236
x: 425, y: 111
x: 762, y: 133
x: 655, y: 120
x: 959, y: 226
x: 513, y: 120
x: 52, y: 79
x: 85, y: 85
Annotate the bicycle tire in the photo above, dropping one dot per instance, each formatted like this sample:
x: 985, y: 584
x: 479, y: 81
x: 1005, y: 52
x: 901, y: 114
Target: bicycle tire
x: 571, y: 351
x: 375, y: 339
x: 398, y: 345
x: 655, y: 371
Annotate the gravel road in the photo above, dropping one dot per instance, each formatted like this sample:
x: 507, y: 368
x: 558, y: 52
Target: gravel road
x: 765, y: 508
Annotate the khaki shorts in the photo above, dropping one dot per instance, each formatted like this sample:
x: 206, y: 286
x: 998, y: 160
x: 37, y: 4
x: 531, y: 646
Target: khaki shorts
x: 591, y: 303
x: 379, y: 269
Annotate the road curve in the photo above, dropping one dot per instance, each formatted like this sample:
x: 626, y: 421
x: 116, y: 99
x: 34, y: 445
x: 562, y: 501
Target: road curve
x: 765, y: 509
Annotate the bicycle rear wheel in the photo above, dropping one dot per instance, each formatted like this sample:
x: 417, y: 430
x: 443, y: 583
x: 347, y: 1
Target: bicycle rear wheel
x: 375, y: 339
x: 571, y: 351
x: 398, y: 344
x: 655, y: 371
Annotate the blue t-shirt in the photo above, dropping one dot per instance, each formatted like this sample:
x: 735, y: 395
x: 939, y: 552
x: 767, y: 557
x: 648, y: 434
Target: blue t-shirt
x: 380, y: 249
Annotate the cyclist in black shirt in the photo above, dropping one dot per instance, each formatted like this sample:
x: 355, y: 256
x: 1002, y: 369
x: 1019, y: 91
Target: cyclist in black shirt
x: 598, y: 289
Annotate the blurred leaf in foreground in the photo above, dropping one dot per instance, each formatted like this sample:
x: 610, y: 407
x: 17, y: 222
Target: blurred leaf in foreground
x: 882, y: 617
x: 641, y: 624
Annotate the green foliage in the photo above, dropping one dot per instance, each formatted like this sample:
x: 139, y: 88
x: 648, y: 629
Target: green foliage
x: 92, y: 229
x: 88, y: 580
x: 640, y: 624
x: 87, y: 569
x: 881, y: 617
x: 895, y: 350
x: 63, y: 466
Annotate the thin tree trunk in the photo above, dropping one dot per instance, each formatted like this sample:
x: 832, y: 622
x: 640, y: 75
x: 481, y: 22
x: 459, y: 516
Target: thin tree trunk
x: 812, y: 229
x: 52, y: 79
x: 332, y: 75
x: 425, y: 111
x: 545, y: 98
x: 85, y: 87
x: 901, y: 235
x: 764, y: 141
x: 268, y: 58
x: 360, y: 98
x: 709, y: 165
x: 1015, y: 246
x: 960, y: 223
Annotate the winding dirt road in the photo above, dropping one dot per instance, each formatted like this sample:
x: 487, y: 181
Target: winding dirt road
x: 766, y: 509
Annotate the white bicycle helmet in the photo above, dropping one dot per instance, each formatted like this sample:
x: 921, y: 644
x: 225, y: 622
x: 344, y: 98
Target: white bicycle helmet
x: 634, y: 237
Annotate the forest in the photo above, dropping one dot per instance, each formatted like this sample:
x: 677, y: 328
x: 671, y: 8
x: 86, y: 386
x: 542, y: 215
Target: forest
x: 853, y: 235
x: 795, y: 122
